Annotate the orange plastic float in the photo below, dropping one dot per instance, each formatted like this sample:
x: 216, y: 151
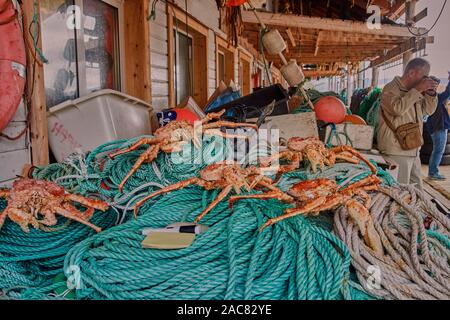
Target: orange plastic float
x: 355, y: 119
x: 330, y: 110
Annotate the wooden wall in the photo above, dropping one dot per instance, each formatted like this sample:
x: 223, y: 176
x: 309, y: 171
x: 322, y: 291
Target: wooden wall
x: 14, y: 154
x: 159, y: 59
x: 159, y: 48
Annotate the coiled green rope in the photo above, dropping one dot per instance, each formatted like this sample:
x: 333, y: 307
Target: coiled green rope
x: 296, y: 259
x: 32, y: 260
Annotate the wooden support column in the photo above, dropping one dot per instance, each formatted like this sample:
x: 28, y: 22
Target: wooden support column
x: 38, y: 119
x: 410, y: 12
x: 349, y: 84
x: 375, y: 75
x: 137, y: 49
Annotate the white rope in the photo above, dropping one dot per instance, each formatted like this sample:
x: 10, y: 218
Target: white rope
x: 414, y: 265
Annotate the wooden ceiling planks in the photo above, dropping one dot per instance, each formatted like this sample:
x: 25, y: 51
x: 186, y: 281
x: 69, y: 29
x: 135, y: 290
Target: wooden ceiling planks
x: 326, y: 40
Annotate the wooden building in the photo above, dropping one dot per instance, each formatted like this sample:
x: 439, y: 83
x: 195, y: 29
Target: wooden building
x: 163, y: 51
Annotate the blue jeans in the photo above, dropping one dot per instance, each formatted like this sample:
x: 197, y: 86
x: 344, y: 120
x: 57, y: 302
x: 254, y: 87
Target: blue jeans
x: 439, y: 142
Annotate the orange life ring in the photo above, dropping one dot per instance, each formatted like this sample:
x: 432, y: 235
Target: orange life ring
x: 12, y: 63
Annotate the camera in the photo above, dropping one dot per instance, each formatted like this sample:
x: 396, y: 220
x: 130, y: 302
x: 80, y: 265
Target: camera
x: 432, y: 92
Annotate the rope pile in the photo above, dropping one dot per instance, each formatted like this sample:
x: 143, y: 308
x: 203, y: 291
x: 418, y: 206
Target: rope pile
x: 416, y: 263
x: 298, y: 258
x: 232, y: 260
x: 32, y: 260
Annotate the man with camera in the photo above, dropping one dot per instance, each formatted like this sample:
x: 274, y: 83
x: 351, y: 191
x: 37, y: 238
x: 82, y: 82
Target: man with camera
x: 404, y: 103
x: 438, y: 125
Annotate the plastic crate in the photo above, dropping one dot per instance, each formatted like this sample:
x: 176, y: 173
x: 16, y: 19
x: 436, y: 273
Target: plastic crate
x: 100, y: 117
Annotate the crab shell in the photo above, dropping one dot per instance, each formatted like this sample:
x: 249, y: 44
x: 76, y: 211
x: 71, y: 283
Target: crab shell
x: 311, y: 189
x: 31, y: 185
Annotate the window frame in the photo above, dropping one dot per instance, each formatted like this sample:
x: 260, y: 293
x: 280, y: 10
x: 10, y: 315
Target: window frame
x: 224, y: 48
x: 246, y: 58
x: 196, y: 30
x: 176, y: 53
x: 81, y: 50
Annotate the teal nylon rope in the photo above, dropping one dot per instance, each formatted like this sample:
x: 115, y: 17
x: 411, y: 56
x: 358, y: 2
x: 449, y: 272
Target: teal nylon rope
x: 293, y: 260
x: 32, y: 260
x: 298, y: 258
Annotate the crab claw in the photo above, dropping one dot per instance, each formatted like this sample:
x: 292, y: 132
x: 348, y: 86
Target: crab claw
x: 363, y: 219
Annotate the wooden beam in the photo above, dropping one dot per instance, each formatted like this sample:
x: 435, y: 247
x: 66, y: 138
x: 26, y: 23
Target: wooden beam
x: 410, y: 45
x: 170, y: 56
x: 318, y: 73
x: 291, y: 37
x: 316, y: 51
x: 38, y: 121
x: 410, y: 12
x: 304, y: 22
x: 137, y: 49
x: 421, y: 15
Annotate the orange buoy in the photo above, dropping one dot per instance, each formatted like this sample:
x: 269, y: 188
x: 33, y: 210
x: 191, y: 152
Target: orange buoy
x: 355, y: 119
x: 330, y: 109
x: 12, y: 63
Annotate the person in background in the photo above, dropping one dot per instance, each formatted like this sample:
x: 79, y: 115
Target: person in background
x: 406, y: 99
x: 437, y: 125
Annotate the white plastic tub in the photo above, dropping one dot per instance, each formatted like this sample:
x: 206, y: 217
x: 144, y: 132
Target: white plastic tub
x: 100, y: 117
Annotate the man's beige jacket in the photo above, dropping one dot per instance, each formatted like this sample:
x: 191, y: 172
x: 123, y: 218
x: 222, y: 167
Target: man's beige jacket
x: 401, y: 107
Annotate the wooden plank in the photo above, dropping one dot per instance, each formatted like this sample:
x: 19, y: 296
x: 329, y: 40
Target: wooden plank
x: 411, y: 45
x: 170, y: 55
x: 291, y: 37
x: 137, y: 49
x: 305, y: 22
x: 38, y: 119
x: 421, y: 15
x: 316, y: 51
x: 437, y: 192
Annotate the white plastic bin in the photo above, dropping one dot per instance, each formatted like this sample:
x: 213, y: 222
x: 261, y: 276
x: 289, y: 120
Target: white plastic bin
x: 100, y: 117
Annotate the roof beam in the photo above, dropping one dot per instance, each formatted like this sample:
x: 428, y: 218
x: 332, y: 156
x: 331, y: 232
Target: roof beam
x: 316, y: 51
x: 291, y: 37
x: 410, y: 45
x: 296, y: 21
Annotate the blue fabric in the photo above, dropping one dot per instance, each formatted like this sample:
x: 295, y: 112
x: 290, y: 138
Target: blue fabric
x: 439, y: 142
x: 224, y: 98
x: 440, y: 119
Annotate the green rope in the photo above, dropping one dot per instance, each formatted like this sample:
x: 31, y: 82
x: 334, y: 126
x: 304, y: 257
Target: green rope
x: 295, y: 259
x: 298, y: 258
x: 35, y: 23
x: 32, y: 260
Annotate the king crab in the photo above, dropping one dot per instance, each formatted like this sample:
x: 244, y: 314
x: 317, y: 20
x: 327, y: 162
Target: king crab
x: 225, y: 176
x: 314, y: 196
x: 37, y: 202
x: 174, y: 135
x: 314, y: 150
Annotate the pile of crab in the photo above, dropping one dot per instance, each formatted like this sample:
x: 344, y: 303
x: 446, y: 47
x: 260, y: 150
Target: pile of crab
x: 37, y: 203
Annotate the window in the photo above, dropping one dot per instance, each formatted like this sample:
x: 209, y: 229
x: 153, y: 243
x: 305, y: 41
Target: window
x: 225, y: 61
x: 188, y: 58
x: 245, y: 73
x: 80, y: 60
x: 183, y: 66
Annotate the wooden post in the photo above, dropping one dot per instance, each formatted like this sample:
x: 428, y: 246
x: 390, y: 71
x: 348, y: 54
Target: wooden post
x: 375, y: 75
x: 137, y: 49
x: 410, y: 12
x: 38, y: 119
x: 349, y: 84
